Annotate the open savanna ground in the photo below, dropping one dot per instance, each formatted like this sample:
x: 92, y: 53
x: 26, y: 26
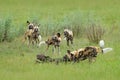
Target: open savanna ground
x: 17, y: 59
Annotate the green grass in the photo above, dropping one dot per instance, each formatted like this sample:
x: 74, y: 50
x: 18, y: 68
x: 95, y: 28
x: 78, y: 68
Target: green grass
x: 14, y: 66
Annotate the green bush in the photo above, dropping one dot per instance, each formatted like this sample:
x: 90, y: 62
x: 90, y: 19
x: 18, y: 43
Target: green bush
x: 7, y: 30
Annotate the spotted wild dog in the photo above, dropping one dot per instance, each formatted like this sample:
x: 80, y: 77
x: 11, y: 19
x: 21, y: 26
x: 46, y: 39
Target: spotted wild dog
x: 89, y: 53
x: 68, y: 57
x: 43, y: 58
x: 68, y: 34
x: 95, y: 50
x: 32, y: 33
x: 76, y: 54
x: 54, y: 41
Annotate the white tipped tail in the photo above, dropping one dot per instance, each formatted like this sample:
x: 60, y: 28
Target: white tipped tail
x: 39, y: 37
x: 102, y: 43
x: 42, y: 42
x: 105, y: 50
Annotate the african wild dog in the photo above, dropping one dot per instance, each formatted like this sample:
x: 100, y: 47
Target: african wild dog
x: 43, y: 58
x: 95, y: 50
x: 75, y: 55
x: 89, y: 52
x: 55, y: 41
x: 30, y: 25
x: 32, y: 33
x: 68, y: 35
x: 68, y: 57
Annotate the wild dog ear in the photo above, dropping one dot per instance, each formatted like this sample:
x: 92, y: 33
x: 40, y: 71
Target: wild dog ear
x: 28, y: 22
x: 72, y: 55
x: 58, y: 34
x: 68, y: 51
x: 39, y: 25
x: 46, y: 41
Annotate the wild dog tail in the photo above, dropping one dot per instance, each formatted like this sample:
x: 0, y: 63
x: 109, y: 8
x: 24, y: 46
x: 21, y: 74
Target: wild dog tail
x: 105, y: 50
x: 41, y: 42
x: 39, y: 38
x: 102, y: 45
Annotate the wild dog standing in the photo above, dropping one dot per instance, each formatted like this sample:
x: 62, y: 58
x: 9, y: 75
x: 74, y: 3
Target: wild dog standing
x: 36, y: 35
x: 68, y: 35
x: 55, y: 41
x: 32, y: 33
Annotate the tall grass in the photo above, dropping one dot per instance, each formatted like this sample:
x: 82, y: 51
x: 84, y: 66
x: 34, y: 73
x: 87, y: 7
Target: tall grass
x: 8, y: 30
x: 76, y: 21
x: 94, y: 33
x: 5, y: 30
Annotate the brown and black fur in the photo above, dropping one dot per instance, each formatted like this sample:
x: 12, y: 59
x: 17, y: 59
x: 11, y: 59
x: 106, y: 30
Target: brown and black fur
x: 54, y: 41
x: 43, y: 58
x: 32, y: 33
x: 68, y: 57
x: 69, y: 36
x: 89, y: 52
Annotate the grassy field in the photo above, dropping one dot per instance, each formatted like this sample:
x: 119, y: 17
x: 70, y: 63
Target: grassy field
x: 14, y: 66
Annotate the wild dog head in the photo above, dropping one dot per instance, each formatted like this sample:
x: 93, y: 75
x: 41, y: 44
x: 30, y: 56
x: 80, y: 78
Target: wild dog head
x: 57, y: 37
x: 30, y: 25
x: 36, y: 28
x: 68, y: 56
x: 68, y: 33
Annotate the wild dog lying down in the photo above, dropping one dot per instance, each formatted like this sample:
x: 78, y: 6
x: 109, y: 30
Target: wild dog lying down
x: 54, y: 41
x: 83, y: 53
x: 32, y: 33
x: 95, y: 50
x: 68, y: 57
x: 89, y: 52
x: 43, y: 58
x: 73, y: 55
x: 69, y: 36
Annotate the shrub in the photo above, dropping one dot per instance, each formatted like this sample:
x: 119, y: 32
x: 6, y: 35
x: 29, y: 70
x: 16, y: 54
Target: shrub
x: 6, y: 32
x: 94, y: 33
x: 1, y: 29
